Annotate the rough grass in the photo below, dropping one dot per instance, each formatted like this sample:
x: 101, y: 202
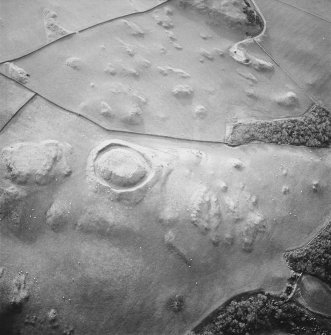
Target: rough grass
x: 233, y: 12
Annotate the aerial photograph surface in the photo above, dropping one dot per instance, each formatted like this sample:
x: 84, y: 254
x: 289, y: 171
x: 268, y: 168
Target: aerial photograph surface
x: 165, y: 167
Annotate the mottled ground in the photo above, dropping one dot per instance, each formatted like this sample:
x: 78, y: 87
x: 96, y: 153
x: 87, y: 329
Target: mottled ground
x: 165, y: 167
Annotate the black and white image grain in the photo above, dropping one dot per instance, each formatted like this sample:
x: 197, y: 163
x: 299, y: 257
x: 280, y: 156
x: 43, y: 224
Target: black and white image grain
x: 165, y: 167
